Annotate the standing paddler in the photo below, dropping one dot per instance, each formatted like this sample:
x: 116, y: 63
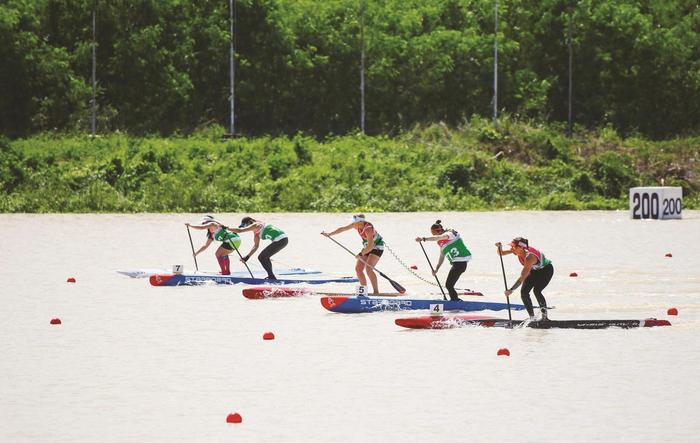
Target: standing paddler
x: 217, y: 231
x: 263, y: 231
x: 372, y: 250
x: 536, y: 274
x: 451, y: 246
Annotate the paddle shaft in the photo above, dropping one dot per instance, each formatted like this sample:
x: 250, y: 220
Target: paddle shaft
x: 444, y: 297
x: 196, y: 266
x: 505, y: 285
x: 396, y: 286
x: 244, y: 262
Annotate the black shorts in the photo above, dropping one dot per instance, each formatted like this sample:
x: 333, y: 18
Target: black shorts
x: 227, y: 246
x: 377, y: 252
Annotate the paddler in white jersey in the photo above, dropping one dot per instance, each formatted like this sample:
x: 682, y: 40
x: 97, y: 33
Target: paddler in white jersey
x: 452, y: 246
x: 265, y: 231
x: 217, y: 231
x: 536, y: 274
x: 372, y: 250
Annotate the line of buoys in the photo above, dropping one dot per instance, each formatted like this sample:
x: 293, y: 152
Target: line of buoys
x: 71, y: 280
x: 55, y: 321
x: 234, y: 418
x: 668, y: 254
x: 503, y: 351
x: 672, y: 311
x: 573, y: 274
x: 268, y: 336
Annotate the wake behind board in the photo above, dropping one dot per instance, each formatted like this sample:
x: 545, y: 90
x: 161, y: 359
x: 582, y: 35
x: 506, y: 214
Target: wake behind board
x: 461, y: 321
x: 353, y: 305
x: 261, y: 292
x: 144, y: 273
x: 197, y: 279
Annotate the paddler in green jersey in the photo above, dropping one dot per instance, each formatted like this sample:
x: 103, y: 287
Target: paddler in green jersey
x: 452, y: 247
x: 372, y: 250
x: 264, y: 231
x: 217, y: 231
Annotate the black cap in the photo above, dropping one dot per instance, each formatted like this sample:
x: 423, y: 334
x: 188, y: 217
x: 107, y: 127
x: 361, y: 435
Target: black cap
x: 245, y: 221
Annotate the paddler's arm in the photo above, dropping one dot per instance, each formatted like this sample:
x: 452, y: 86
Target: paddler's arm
x: 205, y: 246
x: 439, y: 263
x: 500, y: 251
x: 530, y: 261
x: 339, y: 230
x: 435, y: 238
x: 256, y: 239
x: 199, y: 227
x: 251, y: 227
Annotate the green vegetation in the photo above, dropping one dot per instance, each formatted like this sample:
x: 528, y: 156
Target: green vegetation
x: 471, y: 167
x: 162, y: 66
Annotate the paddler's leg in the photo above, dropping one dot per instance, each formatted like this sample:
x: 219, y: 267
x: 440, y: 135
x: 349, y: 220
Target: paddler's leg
x: 272, y: 249
x: 224, y: 262
x: 456, y: 271
x: 372, y: 258
x: 525, y: 295
x: 542, y: 278
x: 360, y: 271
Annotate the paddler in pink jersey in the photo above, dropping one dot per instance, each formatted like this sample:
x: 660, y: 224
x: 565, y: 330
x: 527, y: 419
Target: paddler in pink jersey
x: 452, y: 246
x: 536, y: 274
x: 372, y: 250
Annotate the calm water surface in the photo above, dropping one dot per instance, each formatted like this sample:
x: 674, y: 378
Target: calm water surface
x: 135, y: 363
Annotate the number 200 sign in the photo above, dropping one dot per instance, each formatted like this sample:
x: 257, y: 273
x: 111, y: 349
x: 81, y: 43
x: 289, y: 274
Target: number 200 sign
x: 658, y: 202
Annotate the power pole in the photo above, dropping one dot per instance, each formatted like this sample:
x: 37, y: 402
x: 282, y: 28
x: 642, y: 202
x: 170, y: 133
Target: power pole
x: 232, y: 69
x: 495, y: 67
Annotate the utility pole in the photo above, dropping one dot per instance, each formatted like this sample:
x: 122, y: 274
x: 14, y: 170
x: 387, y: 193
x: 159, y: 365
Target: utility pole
x: 571, y: 71
x: 495, y: 67
x: 232, y: 69
x: 94, y: 70
x: 362, y: 66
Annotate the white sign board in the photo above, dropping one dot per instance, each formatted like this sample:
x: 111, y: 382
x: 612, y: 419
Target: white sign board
x: 656, y: 202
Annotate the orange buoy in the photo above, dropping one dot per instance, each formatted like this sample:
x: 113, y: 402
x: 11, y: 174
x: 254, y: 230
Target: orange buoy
x: 71, y: 280
x: 672, y: 311
x: 503, y: 351
x: 573, y: 274
x: 414, y: 267
x: 268, y: 336
x: 668, y: 254
x: 234, y: 418
x: 55, y: 321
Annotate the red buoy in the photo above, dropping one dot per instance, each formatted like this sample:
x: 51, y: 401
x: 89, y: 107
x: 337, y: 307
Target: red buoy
x: 503, y: 351
x: 672, y: 311
x: 573, y: 274
x: 71, y: 280
x: 55, y: 321
x: 234, y: 418
x: 414, y: 267
x: 268, y: 336
x: 668, y: 254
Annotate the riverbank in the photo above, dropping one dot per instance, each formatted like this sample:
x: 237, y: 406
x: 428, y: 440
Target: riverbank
x: 477, y: 166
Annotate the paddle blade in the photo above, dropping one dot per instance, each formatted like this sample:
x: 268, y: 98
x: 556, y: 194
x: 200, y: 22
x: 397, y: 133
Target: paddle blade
x: 400, y: 289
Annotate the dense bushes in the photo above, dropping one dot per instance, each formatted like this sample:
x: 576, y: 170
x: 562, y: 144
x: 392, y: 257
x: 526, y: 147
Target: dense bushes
x: 433, y: 168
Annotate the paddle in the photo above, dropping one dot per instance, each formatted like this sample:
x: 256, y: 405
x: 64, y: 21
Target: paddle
x: 396, y: 286
x: 192, y: 246
x: 444, y: 297
x: 505, y: 284
x: 244, y: 262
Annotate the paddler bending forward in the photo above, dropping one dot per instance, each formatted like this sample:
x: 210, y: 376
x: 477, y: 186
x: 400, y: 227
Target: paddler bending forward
x: 216, y: 231
x: 372, y: 250
x: 536, y: 274
x: 263, y: 231
x: 452, y: 246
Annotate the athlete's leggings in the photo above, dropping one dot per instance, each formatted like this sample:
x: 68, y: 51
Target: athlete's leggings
x: 456, y: 270
x: 272, y: 249
x: 537, y: 281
